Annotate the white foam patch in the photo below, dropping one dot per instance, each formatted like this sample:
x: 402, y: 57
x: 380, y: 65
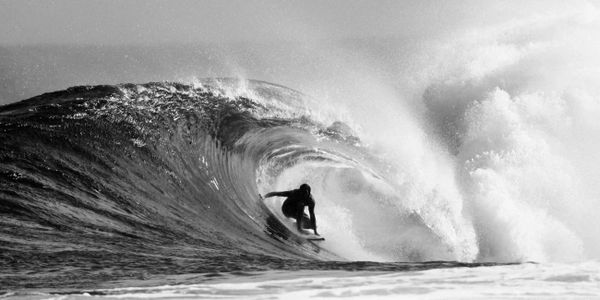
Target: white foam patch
x: 490, y: 134
x: 527, y: 281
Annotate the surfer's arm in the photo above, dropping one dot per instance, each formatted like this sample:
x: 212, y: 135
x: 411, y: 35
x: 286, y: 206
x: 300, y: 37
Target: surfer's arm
x: 279, y: 194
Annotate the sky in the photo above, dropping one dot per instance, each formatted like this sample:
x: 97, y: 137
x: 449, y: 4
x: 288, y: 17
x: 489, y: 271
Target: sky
x: 54, y: 44
x: 158, y: 22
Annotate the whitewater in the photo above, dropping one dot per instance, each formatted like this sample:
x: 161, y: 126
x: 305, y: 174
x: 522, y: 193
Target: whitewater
x: 463, y: 166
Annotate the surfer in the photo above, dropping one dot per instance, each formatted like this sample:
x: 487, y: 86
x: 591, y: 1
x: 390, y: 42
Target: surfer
x: 293, y: 207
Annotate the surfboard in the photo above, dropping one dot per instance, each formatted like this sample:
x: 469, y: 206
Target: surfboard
x: 313, y: 237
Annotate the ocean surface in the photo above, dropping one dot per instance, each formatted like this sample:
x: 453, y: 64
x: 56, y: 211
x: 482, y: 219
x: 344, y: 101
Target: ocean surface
x: 435, y: 281
x: 154, y: 191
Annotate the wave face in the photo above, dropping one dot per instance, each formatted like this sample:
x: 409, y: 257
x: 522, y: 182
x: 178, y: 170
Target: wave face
x: 129, y: 180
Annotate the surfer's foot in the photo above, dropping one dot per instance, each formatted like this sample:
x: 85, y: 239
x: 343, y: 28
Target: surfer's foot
x: 302, y: 231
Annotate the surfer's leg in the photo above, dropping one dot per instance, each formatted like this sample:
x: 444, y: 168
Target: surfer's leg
x: 288, y: 209
x: 288, y: 212
x: 306, y: 224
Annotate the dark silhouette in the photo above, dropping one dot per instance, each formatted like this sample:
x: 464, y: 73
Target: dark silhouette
x: 293, y: 207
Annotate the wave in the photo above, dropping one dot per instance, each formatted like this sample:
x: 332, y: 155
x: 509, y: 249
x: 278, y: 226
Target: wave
x: 159, y: 176
x: 136, y: 180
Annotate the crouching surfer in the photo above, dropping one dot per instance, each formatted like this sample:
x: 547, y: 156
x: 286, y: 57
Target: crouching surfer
x: 293, y: 207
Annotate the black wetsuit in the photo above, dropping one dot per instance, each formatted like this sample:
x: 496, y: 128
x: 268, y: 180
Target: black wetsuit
x: 293, y: 207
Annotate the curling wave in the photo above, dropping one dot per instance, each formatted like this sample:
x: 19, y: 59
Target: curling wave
x: 168, y: 176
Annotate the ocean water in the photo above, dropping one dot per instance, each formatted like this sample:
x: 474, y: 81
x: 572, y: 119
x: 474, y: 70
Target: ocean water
x: 458, y: 166
x: 518, y: 281
x: 153, y: 190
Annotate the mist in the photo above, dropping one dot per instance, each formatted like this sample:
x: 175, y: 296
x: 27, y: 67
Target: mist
x: 53, y: 45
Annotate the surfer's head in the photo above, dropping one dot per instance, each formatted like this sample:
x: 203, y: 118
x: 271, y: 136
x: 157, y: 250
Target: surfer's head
x: 305, y: 188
